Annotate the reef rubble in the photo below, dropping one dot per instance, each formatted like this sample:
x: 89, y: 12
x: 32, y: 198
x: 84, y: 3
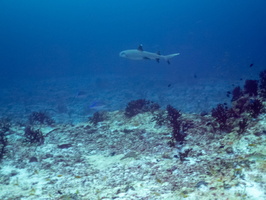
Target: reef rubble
x: 130, y: 158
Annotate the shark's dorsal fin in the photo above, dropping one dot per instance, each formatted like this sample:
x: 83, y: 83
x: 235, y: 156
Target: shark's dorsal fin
x: 140, y: 48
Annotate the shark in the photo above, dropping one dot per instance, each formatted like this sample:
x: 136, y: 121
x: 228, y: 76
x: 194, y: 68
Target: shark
x: 140, y: 54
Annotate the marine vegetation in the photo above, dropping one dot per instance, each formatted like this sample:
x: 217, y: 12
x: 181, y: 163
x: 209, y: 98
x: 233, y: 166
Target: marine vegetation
x: 236, y: 93
x: 40, y: 118
x: 140, y: 106
x: 255, y: 108
x: 249, y: 105
x: 240, y: 105
x: 222, y: 114
x: 33, y: 136
x: 4, y: 128
x: 245, y: 105
x: 160, y: 118
x: 243, y: 124
x: 178, y: 127
x: 251, y: 87
x: 3, y: 144
x: 262, y: 85
x: 184, y: 155
x: 172, y: 118
x: 97, y: 117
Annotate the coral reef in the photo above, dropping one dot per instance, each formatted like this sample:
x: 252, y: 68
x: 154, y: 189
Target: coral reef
x: 131, y: 157
x: 236, y: 93
x: 3, y: 144
x: 245, y: 105
x: 243, y: 124
x: 255, y: 107
x: 222, y: 114
x: 262, y: 84
x: 240, y: 105
x: 4, y: 128
x: 140, y: 106
x: 184, y: 155
x: 160, y: 117
x: 178, y: 131
x: 251, y: 87
x: 33, y: 136
x: 41, y: 118
x: 97, y: 117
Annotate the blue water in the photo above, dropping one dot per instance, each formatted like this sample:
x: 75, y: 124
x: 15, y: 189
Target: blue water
x: 40, y: 40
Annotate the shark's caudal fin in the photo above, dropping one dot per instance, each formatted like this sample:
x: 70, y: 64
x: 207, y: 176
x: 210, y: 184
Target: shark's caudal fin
x: 170, y: 56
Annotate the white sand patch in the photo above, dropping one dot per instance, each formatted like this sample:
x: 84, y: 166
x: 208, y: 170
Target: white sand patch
x: 101, y: 162
x: 24, y: 183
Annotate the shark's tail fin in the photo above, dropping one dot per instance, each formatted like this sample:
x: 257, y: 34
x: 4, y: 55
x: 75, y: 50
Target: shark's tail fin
x: 168, y: 57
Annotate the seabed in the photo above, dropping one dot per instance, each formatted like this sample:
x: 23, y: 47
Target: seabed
x: 131, y: 159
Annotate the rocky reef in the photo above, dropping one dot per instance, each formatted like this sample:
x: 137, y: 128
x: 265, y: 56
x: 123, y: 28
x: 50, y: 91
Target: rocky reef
x: 145, y: 151
x: 130, y: 158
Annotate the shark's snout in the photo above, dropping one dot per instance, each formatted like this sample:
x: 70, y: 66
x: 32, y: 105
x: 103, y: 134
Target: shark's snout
x: 122, y: 54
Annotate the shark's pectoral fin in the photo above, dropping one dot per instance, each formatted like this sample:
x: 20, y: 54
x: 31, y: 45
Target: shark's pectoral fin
x: 140, y: 48
x: 158, y: 60
x: 168, y: 62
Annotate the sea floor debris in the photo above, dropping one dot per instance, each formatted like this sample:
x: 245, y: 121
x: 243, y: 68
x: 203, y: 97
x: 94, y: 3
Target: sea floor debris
x: 129, y: 158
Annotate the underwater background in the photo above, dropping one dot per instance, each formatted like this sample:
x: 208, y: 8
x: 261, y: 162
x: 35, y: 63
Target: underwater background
x: 220, y: 43
x: 59, y: 61
x: 65, y: 38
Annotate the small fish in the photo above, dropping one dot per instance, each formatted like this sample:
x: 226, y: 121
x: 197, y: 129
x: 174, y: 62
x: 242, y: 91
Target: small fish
x: 97, y: 105
x: 228, y: 93
x: 80, y: 94
x: 169, y: 85
x: 251, y: 65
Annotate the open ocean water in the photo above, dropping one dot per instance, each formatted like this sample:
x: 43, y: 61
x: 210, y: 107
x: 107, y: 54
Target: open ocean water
x: 62, y: 58
x: 55, y: 40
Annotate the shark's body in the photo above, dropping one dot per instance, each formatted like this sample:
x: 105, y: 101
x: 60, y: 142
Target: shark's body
x: 139, y: 54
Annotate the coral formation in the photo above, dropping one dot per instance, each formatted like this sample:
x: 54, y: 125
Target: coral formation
x: 236, y: 93
x: 243, y: 124
x: 240, y: 105
x: 128, y: 157
x: 33, y: 136
x: 255, y: 107
x: 262, y: 84
x: 4, y: 128
x: 160, y: 118
x: 222, y: 114
x: 251, y: 87
x: 140, y: 106
x: 97, y: 117
x: 40, y: 118
x: 178, y: 131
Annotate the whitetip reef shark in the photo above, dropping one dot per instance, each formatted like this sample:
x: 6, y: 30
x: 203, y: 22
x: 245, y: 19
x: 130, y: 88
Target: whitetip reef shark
x: 139, y: 54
